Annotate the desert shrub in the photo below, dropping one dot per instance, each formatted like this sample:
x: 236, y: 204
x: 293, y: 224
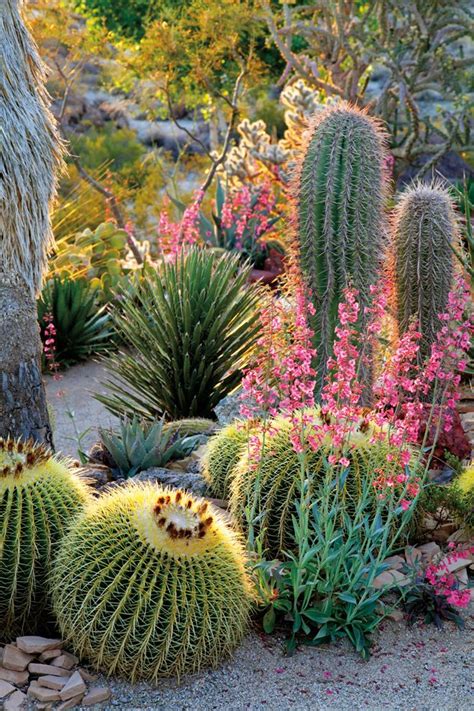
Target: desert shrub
x: 191, y: 326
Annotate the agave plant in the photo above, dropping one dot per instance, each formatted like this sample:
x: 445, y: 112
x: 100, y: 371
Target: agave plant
x: 81, y: 327
x: 190, y: 326
x: 141, y: 445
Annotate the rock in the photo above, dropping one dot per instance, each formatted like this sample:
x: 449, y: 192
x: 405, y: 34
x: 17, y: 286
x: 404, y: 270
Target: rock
x: 36, y: 668
x: 462, y: 577
x: 53, y: 682
x: 429, y: 551
x: 14, y: 677
x: 455, y: 565
x: 35, y: 645
x: 87, y: 676
x: 50, y: 654
x: 96, y: 695
x: 15, y: 701
x: 5, y: 689
x: 394, y: 561
x: 180, y: 480
x: 74, y: 687
x: 66, y: 661
x: 70, y: 703
x: 43, y: 694
x: 390, y: 578
x: 14, y: 658
x: 396, y: 615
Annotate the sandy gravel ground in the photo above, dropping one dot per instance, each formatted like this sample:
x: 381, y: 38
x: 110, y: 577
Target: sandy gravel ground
x: 420, y: 669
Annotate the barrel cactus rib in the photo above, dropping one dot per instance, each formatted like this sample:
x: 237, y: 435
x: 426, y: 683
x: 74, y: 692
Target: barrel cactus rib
x: 339, y: 195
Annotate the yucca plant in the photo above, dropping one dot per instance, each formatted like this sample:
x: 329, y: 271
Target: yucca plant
x: 339, y: 199
x: 81, y: 327
x: 190, y: 326
x: 425, y: 233
x: 140, y: 445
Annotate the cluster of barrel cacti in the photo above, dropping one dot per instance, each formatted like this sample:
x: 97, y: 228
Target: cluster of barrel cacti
x: 144, y: 582
x: 339, y: 194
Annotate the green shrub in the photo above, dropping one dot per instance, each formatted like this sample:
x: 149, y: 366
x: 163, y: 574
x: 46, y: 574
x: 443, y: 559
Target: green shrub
x: 38, y: 498
x: 191, y: 326
x: 82, y: 328
x: 150, y: 582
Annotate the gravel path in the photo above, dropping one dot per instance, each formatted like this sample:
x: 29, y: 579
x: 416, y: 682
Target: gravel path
x: 417, y: 668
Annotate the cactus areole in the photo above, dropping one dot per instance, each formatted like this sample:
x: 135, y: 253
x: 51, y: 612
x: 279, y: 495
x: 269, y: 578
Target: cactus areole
x: 338, y: 193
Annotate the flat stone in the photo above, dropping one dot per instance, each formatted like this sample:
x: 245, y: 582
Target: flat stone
x: 14, y: 658
x: 70, y: 703
x: 395, y: 561
x: 96, y: 695
x: 6, y: 688
x: 87, y: 675
x: 14, y: 677
x: 33, y: 644
x: 65, y: 660
x: 455, y: 565
x: 14, y: 702
x: 74, y: 687
x: 43, y: 694
x: 390, y: 578
x: 396, y: 615
x: 413, y: 556
x: 52, y: 682
x: 36, y: 668
x: 180, y: 480
x: 429, y: 550
x: 50, y: 654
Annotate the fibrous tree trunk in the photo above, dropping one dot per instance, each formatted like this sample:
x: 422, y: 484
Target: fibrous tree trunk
x: 23, y: 409
x: 30, y: 155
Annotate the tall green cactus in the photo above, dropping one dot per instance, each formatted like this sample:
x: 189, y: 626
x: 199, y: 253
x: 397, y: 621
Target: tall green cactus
x: 339, y: 199
x: 425, y: 232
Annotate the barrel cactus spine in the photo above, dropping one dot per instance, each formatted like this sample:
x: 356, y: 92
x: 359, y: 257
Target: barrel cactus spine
x: 222, y: 454
x: 151, y: 582
x: 339, y: 200
x: 39, y: 497
x: 425, y: 231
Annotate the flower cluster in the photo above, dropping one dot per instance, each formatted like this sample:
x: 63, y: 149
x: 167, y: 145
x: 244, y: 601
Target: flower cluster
x: 173, y: 236
x: 49, y: 343
x: 442, y: 580
x: 249, y: 212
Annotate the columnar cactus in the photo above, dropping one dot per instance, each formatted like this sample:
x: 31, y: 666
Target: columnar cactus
x: 339, y: 196
x: 39, y: 496
x: 424, y: 233
x: 151, y: 582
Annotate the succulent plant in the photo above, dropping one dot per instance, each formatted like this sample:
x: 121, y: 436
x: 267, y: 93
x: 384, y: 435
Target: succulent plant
x: 151, y: 582
x: 191, y: 325
x: 271, y: 489
x: 140, y: 445
x: 38, y: 498
x: 339, y: 196
x: 82, y: 327
x: 425, y: 233
x: 223, y: 452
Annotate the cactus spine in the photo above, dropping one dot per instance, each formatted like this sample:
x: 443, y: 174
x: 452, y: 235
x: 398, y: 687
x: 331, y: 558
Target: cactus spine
x: 222, y: 454
x: 339, y: 198
x: 38, y: 499
x: 151, y: 582
x: 424, y: 233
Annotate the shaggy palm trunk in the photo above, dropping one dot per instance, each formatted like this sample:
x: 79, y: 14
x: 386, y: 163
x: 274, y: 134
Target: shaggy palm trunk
x: 30, y: 154
x: 23, y: 410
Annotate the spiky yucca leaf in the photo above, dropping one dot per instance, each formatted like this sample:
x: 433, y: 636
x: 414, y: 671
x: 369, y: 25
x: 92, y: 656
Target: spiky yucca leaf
x: 82, y: 328
x: 338, y: 191
x: 191, y: 326
x: 151, y: 582
x: 222, y: 454
x: 425, y: 233
x: 39, y: 497
x: 268, y: 483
